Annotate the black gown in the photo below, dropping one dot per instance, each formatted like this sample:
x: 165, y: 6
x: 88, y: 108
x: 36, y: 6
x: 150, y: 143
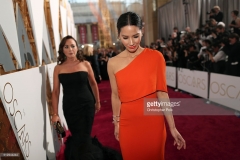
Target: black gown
x: 79, y: 110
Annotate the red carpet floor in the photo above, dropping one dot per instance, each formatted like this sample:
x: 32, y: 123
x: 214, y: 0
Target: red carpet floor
x: 207, y: 137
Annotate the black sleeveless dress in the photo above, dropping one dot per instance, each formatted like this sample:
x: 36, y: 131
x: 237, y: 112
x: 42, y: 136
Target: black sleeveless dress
x: 79, y: 111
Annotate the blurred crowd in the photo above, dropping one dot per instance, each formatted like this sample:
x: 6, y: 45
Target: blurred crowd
x: 214, y: 47
x: 98, y: 60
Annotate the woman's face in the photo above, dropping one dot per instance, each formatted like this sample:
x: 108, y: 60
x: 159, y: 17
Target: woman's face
x: 130, y: 37
x: 70, y: 48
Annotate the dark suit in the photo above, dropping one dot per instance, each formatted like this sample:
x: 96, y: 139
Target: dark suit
x: 218, y: 17
x: 111, y: 54
x: 233, y: 63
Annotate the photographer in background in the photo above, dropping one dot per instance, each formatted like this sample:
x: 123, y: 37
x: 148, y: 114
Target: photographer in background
x: 217, y: 57
x: 216, y: 14
x: 178, y: 34
x: 191, y: 55
x: 202, y: 53
x: 233, y: 60
x: 235, y: 24
x: 213, y: 23
x: 221, y: 32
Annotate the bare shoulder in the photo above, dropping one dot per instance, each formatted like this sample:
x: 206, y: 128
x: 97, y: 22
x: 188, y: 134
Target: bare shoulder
x: 116, y: 60
x: 57, y: 68
x: 86, y: 63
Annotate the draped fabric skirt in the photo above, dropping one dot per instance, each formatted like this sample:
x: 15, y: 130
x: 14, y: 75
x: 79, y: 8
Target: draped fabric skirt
x: 142, y: 137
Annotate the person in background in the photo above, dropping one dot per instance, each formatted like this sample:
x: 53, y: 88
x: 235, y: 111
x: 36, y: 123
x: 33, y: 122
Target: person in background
x: 141, y: 137
x: 213, y: 23
x: 175, y: 30
x: 111, y: 53
x: 218, y: 58
x: 103, y: 65
x: 218, y: 15
x: 233, y: 56
x: 160, y: 44
x: 188, y: 30
x: 221, y: 32
x: 235, y: 24
x: 202, y: 53
x: 91, y: 57
x: 191, y: 55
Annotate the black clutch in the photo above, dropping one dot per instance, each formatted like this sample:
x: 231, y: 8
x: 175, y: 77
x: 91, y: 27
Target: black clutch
x: 60, y: 130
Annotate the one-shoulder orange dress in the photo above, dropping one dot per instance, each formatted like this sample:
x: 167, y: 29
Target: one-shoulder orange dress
x: 141, y: 136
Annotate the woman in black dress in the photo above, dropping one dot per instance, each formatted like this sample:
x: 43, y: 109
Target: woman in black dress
x: 80, y: 99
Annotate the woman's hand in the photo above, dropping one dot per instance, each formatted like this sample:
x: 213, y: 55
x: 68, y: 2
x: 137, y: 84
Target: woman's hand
x: 54, y: 119
x: 116, y: 130
x: 178, y: 139
x: 97, y: 107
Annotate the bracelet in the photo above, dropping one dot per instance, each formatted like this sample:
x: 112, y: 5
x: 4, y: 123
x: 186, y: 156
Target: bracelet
x: 116, y: 116
x: 54, y: 114
x: 115, y: 121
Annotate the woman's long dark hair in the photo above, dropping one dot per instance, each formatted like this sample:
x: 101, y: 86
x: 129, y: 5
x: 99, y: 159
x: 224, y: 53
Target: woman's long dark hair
x: 62, y: 58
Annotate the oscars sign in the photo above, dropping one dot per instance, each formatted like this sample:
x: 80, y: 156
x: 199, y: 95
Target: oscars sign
x: 225, y: 90
x: 194, y: 82
x: 23, y: 100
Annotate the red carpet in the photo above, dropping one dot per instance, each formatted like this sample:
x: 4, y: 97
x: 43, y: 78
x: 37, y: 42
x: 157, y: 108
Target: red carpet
x: 207, y: 137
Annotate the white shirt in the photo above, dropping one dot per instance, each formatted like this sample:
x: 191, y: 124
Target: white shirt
x: 219, y: 56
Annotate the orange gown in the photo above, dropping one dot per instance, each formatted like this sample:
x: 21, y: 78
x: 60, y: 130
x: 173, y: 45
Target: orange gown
x: 141, y: 136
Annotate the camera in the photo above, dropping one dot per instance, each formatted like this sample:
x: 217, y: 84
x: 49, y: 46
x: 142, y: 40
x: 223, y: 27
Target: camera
x: 212, y: 11
x: 209, y: 49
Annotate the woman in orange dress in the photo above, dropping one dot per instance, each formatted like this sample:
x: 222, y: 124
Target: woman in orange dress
x: 136, y: 76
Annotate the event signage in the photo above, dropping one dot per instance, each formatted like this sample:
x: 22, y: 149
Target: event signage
x: 225, y: 90
x: 192, y: 81
x: 23, y: 96
x: 171, y: 76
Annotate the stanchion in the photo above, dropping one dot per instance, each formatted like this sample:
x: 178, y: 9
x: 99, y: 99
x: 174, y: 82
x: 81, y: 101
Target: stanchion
x: 208, y: 101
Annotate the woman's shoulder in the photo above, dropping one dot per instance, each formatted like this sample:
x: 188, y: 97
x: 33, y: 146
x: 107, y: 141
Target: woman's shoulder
x: 155, y: 54
x: 117, y: 60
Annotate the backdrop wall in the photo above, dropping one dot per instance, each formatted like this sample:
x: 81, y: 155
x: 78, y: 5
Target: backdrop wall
x: 30, y: 33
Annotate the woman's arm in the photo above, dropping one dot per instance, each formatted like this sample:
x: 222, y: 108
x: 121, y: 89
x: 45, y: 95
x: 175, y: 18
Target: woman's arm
x: 163, y: 97
x: 116, y: 103
x: 55, y: 94
x: 93, y: 85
